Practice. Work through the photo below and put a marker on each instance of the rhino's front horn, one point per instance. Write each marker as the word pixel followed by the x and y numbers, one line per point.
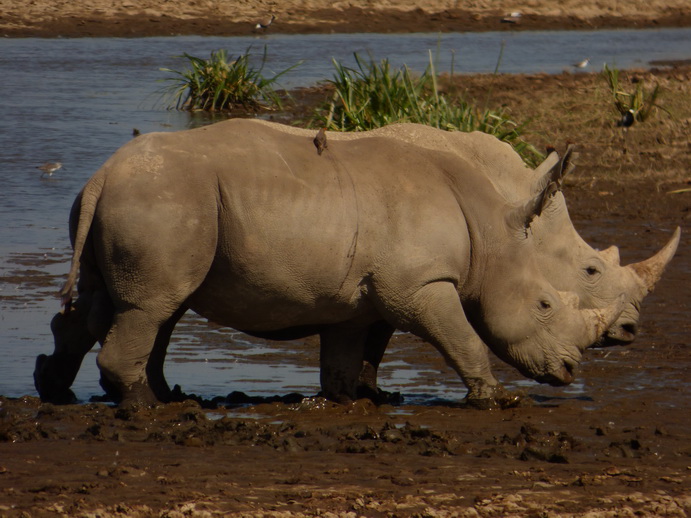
pixel 650 270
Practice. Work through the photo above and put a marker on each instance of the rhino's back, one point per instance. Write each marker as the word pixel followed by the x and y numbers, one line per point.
pixel 305 232
pixel 292 236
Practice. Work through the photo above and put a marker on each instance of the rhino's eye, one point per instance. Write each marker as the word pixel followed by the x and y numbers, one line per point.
pixel 544 304
pixel 591 270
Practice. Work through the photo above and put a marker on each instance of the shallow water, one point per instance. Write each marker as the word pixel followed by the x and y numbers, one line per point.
pixel 78 100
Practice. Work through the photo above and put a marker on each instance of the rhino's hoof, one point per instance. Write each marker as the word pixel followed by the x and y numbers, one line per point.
pixel 49 385
pixel 138 395
pixel 481 403
pixel 58 397
pixel 512 400
pixel 500 400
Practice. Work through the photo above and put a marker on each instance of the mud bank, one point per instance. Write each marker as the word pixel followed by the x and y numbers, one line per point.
pixel 98 18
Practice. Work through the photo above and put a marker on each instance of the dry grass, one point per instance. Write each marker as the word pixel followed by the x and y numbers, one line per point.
pixel 578 108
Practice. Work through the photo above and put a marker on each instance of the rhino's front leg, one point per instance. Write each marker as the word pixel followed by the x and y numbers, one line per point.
pixel 434 312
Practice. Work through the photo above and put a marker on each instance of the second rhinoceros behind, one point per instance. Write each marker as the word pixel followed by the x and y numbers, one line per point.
pixel 249 227
pixel 565 259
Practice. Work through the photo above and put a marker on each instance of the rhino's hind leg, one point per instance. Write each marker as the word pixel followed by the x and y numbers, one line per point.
pixel 341 356
pixel 154 367
pixel 125 354
pixel 378 336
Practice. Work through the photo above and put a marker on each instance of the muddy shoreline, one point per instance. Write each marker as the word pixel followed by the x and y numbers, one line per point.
pixel 323 21
pixel 101 18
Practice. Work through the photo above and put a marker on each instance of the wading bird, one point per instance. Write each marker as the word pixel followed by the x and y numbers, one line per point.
pixel 514 17
pixel 265 23
pixel 49 168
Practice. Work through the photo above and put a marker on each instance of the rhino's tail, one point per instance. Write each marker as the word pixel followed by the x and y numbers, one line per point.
pixel 87 208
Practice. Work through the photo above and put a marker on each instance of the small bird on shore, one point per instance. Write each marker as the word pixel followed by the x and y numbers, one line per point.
pixel 265 23
pixel 627 119
pixel 514 17
pixel 136 132
pixel 320 141
pixel 582 64
pixel 49 168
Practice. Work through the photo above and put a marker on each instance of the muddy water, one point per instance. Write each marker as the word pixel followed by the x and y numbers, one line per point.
pixel 76 101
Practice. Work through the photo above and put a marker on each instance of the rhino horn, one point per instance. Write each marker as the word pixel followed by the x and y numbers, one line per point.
pixel 650 270
pixel 611 255
pixel 598 321
pixel 522 216
pixel 553 169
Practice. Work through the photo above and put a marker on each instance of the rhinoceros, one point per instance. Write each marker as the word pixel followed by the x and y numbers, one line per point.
pixel 565 259
pixel 245 224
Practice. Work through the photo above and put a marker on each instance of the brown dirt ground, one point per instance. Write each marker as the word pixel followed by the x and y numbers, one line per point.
pixel 630 456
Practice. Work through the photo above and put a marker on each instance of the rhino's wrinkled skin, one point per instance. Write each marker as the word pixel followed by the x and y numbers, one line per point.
pixel 245 224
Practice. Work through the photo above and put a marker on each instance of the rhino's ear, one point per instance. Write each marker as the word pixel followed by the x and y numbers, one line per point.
pixel 520 218
pixel 567 164
pixel 546 171
pixel 553 169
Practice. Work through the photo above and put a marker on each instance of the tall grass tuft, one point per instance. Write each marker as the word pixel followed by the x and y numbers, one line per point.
pixel 373 94
pixel 640 102
pixel 219 83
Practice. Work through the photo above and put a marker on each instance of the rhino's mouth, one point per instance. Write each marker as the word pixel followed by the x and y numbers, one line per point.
pixel 620 335
pixel 563 376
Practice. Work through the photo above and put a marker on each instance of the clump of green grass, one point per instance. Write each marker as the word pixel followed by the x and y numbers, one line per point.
pixel 221 83
pixel 640 102
pixel 373 95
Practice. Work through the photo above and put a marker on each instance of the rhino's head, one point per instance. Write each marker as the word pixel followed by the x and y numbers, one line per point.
pixel 597 277
pixel 566 260
pixel 545 337
pixel 523 318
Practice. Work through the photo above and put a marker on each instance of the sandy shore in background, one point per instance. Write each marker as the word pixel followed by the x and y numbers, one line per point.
pixel 50 18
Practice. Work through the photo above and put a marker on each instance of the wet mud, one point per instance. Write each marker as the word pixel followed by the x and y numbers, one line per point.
pixel 604 453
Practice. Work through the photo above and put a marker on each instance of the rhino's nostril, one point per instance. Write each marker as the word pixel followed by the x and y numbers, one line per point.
pixel 622 334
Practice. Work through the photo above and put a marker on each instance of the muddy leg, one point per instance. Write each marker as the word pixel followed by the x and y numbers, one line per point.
pixel 341 361
pixel 435 313
pixel 378 336
pixel 125 353
pixel 75 332
pixel 154 368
